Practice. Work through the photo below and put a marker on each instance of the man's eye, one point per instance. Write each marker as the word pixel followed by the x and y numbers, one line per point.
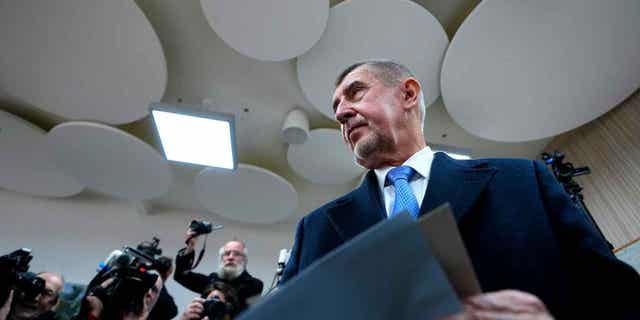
pixel 355 93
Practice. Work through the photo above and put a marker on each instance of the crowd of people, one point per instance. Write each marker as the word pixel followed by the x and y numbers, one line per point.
pixel 130 286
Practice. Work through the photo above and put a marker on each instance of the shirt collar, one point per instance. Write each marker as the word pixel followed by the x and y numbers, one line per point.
pixel 419 161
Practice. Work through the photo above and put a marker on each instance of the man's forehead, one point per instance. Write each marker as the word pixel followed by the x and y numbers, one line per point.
pixel 362 74
pixel 52 281
pixel 234 244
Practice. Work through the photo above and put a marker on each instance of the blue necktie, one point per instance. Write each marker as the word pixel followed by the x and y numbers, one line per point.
pixel 405 200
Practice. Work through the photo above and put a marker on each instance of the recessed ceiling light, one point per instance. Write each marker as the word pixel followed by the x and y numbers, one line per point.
pixel 195 137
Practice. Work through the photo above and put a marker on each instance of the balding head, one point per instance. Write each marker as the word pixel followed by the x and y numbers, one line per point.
pixel 45 301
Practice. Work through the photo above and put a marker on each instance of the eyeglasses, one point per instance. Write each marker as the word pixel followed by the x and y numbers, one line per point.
pixel 230 253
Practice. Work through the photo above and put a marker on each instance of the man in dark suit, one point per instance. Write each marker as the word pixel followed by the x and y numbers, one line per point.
pixel 534 252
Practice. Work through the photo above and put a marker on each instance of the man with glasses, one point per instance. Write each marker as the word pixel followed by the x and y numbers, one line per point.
pixel 232 270
pixel 39 308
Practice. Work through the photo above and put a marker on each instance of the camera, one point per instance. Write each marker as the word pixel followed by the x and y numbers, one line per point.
pixel 150 248
pixel 131 275
pixel 14 275
pixel 215 308
pixel 564 171
pixel 201 227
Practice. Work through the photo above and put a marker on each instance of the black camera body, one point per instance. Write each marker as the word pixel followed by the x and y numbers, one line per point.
pixel 150 248
pixel 216 309
pixel 201 227
pixel 14 275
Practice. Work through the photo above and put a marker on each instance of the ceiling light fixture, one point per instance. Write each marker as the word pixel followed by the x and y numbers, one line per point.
pixel 196 137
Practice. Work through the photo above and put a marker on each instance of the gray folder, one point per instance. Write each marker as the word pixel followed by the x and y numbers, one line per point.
pixel 387 272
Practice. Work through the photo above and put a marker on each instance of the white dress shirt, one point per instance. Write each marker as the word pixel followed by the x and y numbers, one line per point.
pixel 421 163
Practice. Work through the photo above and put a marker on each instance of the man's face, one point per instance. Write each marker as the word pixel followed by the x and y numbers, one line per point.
pixel 233 260
pixel 233 254
pixel 45 301
pixel 151 297
pixel 368 112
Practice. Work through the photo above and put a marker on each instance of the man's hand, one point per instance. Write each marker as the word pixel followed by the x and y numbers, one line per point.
pixel 96 306
pixel 194 310
pixel 4 311
pixel 190 238
pixel 506 304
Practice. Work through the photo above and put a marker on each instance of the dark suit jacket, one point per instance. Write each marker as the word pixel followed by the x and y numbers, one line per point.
pixel 520 228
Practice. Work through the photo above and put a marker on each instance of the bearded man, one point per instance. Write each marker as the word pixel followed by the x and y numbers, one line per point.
pixel 232 270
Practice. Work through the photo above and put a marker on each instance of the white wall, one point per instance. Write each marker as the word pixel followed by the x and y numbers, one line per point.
pixel 73 235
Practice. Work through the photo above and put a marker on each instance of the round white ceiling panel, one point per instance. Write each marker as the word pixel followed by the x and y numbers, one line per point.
pixel 398 30
pixel 271 30
pixel 81 59
pixel 25 165
pixel 109 160
pixel 248 194
pixel 324 158
pixel 525 70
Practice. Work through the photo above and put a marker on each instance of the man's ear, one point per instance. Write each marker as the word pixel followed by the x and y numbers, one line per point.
pixel 410 92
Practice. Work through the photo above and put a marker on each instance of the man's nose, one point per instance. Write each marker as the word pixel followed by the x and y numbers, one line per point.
pixel 344 112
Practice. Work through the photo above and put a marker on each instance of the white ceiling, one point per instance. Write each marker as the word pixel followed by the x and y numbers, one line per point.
pixel 200 65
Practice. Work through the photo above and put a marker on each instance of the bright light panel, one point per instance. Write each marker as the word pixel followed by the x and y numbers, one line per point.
pixel 196 139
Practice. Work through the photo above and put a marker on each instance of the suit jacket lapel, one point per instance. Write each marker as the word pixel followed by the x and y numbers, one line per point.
pixel 358 211
pixel 450 181
pixel 455 182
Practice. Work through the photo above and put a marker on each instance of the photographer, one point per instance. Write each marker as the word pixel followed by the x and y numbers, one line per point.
pixel 96 308
pixel 19 306
pixel 231 269
pixel 127 285
pixel 219 302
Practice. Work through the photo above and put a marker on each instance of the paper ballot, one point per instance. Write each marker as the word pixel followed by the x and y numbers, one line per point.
pixel 388 272
pixel 440 229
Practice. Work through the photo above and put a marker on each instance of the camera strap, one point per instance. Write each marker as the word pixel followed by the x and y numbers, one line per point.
pixel 201 254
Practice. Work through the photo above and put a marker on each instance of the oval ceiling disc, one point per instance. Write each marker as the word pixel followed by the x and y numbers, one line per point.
pixel 248 194
pixel 81 59
pixel 525 70
pixel 272 30
pixel 324 158
pixel 25 164
pixel 354 33
pixel 109 160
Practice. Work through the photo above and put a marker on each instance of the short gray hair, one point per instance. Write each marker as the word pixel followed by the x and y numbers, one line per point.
pixel 391 73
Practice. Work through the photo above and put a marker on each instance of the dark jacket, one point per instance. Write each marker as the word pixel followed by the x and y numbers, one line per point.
pixel 519 226
pixel 245 285
pixel 165 307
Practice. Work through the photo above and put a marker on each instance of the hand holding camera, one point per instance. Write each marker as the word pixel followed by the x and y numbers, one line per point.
pixel 16 279
pixel 95 305
pixel 194 310
pixel 213 308
pixel 197 228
